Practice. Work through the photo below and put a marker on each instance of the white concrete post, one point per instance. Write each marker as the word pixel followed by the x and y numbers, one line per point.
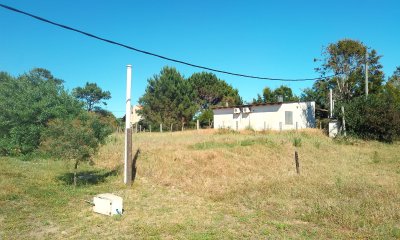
pixel 128 133
pixel 330 104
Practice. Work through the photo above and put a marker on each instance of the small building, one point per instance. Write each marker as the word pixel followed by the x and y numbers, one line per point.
pixel 135 117
pixel 266 116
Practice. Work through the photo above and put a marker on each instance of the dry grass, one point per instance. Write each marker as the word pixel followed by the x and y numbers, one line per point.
pixel 212 185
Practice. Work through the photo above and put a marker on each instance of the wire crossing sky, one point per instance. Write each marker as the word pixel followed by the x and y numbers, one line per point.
pixel 156 55
pixel 264 38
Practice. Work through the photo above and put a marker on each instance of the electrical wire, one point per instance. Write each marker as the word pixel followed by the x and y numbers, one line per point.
pixel 157 55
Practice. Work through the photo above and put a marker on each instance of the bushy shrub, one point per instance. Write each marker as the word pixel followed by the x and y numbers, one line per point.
pixel 27 104
pixel 376 117
pixel 76 138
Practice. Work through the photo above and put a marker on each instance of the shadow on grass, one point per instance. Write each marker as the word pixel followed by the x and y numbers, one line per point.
pixel 87 177
pixel 94 177
pixel 134 168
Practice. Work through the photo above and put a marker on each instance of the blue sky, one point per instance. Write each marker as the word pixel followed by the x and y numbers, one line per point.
pixel 276 39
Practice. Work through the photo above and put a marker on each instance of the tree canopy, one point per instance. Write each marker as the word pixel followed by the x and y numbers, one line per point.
pixel 211 91
pixel 394 80
pixel 269 95
pixel 36 112
pixel 168 99
pixel 28 103
pixel 343 65
pixel 344 61
pixel 319 92
pixel 171 99
pixel 92 95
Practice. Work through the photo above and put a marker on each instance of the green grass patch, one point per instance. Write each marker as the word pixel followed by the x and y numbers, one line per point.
pixel 232 144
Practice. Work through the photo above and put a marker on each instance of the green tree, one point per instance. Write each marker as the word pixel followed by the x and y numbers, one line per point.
pixel 76 138
pixel 168 99
pixel 286 93
pixel 394 80
pixel 206 118
pixel 257 100
pixel 268 95
pixel 92 95
pixel 319 93
pixel 345 60
pixel 211 91
pixel 27 104
pixel 271 96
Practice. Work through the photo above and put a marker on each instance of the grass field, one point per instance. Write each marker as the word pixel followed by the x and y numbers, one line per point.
pixel 211 185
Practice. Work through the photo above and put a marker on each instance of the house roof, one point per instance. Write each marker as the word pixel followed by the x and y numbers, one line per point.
pixel 258 104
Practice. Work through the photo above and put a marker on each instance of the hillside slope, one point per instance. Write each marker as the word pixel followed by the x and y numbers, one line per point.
pixel 211 185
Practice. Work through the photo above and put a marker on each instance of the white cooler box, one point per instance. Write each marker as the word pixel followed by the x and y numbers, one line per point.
pixel 108 204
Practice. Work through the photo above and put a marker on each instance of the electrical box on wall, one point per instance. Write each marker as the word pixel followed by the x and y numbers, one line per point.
pixel 107 204
pixel 246 110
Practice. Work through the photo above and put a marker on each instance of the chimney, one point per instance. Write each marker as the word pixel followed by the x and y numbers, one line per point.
pixel 280 99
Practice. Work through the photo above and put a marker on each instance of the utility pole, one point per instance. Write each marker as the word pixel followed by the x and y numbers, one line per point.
pixel 330 103
pixel 366 73
pixel 128 130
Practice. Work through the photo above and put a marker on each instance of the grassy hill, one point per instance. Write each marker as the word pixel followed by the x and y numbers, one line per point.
pixel 211 185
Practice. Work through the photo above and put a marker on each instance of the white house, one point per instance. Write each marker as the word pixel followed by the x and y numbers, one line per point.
pixel 266 116
pixel 135 117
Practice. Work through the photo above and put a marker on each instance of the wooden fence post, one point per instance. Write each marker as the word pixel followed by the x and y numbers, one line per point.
pixel 296 159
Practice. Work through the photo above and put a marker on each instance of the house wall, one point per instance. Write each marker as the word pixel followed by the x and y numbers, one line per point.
pixel 267 117
pixel 135 118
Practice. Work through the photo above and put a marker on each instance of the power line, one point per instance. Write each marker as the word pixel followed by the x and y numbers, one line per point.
pixel 153 54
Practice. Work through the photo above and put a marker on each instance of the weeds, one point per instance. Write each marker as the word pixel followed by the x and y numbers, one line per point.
pixel 223 131
pixel 232 144
pixel 346 140
pixel 297 142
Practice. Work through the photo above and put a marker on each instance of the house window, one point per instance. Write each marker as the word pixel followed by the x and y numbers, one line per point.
pixel 288 118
